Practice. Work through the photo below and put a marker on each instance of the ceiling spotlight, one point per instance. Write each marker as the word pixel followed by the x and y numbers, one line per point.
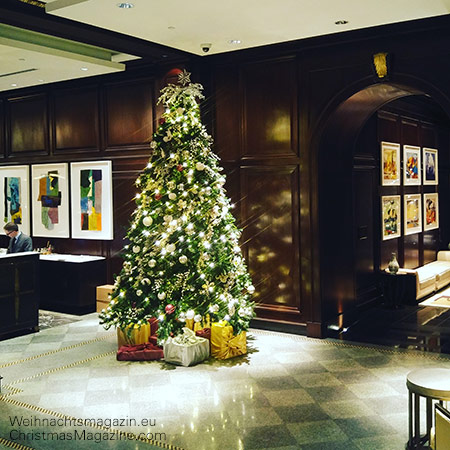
pixel 234 41
pixel 341 22
pixel 13 84
pixel 84 68
pixel 41 81
pixel 125 5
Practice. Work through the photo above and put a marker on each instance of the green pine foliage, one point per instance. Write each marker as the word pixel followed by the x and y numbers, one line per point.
pixel 183 259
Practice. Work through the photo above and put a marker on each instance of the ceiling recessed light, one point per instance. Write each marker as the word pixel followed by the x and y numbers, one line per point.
pixel 234 41
pixel 341 22
pixel 125 5
pixel 171 28
pixel 84 68
pixel 41 81
pixel 21 59
pixel 13 84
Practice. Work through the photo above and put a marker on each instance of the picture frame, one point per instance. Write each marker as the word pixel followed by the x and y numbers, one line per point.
pixel 431 211
pixel 412 208
pixel 50 200
pixel 91 200
pixel 430 166
pixel 15 197
pixel 390 217
pixel 411 165
pixel 390 164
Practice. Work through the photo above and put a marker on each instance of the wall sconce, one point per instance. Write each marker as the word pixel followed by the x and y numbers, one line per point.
pixel 381 65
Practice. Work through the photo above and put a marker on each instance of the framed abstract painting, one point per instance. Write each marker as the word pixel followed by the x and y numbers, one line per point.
pixel 390 217
pixel 411 165
pixel 14 197
pixel 431 213
pixel 91 195
pixel 50 200
pixel 390 164
pixel 430 166
pixel 413 213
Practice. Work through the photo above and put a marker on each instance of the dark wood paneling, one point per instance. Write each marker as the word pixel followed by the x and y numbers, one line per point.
pixel 270 108
pixel 269 220
pixel 2 130
pixel 28 124
pixel 227 132
pixel 129 113
pixel 76 119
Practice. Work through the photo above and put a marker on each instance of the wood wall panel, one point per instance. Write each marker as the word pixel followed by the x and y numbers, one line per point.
pixel 28 124
pixel 129 113
pixel 76 118
pixel 270 216
pixel 270 108
pixel 228 127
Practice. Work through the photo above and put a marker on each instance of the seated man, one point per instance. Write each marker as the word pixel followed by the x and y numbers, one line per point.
pixel 20 242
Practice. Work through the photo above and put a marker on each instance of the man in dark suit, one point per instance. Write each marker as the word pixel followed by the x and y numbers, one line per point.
pixel 20 242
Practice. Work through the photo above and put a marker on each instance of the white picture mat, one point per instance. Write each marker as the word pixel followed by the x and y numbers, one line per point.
pixel 417 200
pixel 411 151
pixel 107 232
pixel 23 173
pixel 426 153
pixel 434 196
pixel 62 228
pixel 388 148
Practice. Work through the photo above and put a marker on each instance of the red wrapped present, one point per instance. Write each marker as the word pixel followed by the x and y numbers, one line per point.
pixel 141 352
pixel 204 333
pixel 153 321
pixel 153 340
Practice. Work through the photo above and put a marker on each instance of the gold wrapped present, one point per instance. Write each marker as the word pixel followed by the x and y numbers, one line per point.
pixel 224 344
pixel 139 335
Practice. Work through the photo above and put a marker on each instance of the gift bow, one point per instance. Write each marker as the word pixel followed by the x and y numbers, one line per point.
pixel 187 338
pixel 224 343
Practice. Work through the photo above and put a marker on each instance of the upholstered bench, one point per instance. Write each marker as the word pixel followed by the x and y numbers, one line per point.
pixel 432 276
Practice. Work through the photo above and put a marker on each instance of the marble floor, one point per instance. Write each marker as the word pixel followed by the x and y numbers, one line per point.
pixel 63 388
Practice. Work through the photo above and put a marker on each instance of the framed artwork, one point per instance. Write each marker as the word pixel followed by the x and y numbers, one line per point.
pixel 431 213
pixel 390 217
pixel 390 164
pixel 91 195
pixel 413 213
pixel 50 200
pixel 14 197
pixel 411 165
pixel 430 166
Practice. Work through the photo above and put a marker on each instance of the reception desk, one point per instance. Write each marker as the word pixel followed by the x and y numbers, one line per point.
pixel 19 293
pixel 68 282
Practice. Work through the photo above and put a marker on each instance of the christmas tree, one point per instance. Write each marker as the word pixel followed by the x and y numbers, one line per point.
pixel 183 260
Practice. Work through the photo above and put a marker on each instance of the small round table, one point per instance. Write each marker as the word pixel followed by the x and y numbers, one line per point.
pixel 432 384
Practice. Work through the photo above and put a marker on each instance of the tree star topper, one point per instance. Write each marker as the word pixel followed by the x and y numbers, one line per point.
pixel 184 78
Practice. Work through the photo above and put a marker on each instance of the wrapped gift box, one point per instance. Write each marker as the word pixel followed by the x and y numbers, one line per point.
pixel 224 344
pixel 103 293
pixel 186 349
pixel 139 334
pixel 141 352
pixel 204 333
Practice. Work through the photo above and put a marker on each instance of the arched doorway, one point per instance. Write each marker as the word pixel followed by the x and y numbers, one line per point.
pixel 341 190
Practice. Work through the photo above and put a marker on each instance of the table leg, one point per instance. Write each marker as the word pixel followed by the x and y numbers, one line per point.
pixel 416 420
pixel 429 419
pixel 410 419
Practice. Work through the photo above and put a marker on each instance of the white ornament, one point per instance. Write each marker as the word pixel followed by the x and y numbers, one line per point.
pixel 147 221
pixel 214 308
pixel 227 318
pixel 251 289
pixel 200 166
pixel 136 249
pixel 190 314
pixel 138 292
pixel 242 312
pixel 231 309
pixel 152 263
pixel 170 248
pixel 197 318
pixel 161 295
pixel 172 196
pixel 183 259
pixel 182 317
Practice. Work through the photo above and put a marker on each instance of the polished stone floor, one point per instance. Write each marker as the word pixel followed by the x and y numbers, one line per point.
pixel 290 392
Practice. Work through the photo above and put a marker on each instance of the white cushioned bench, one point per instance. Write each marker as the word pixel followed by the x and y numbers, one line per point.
pixel 432 276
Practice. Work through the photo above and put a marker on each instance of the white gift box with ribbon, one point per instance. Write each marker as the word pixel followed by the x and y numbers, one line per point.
pixel 186 349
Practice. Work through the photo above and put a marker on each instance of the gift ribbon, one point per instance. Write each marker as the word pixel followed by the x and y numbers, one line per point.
pixel 224 344
pixel 187 338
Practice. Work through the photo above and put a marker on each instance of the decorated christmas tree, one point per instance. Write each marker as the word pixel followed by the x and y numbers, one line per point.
pixel 183 260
